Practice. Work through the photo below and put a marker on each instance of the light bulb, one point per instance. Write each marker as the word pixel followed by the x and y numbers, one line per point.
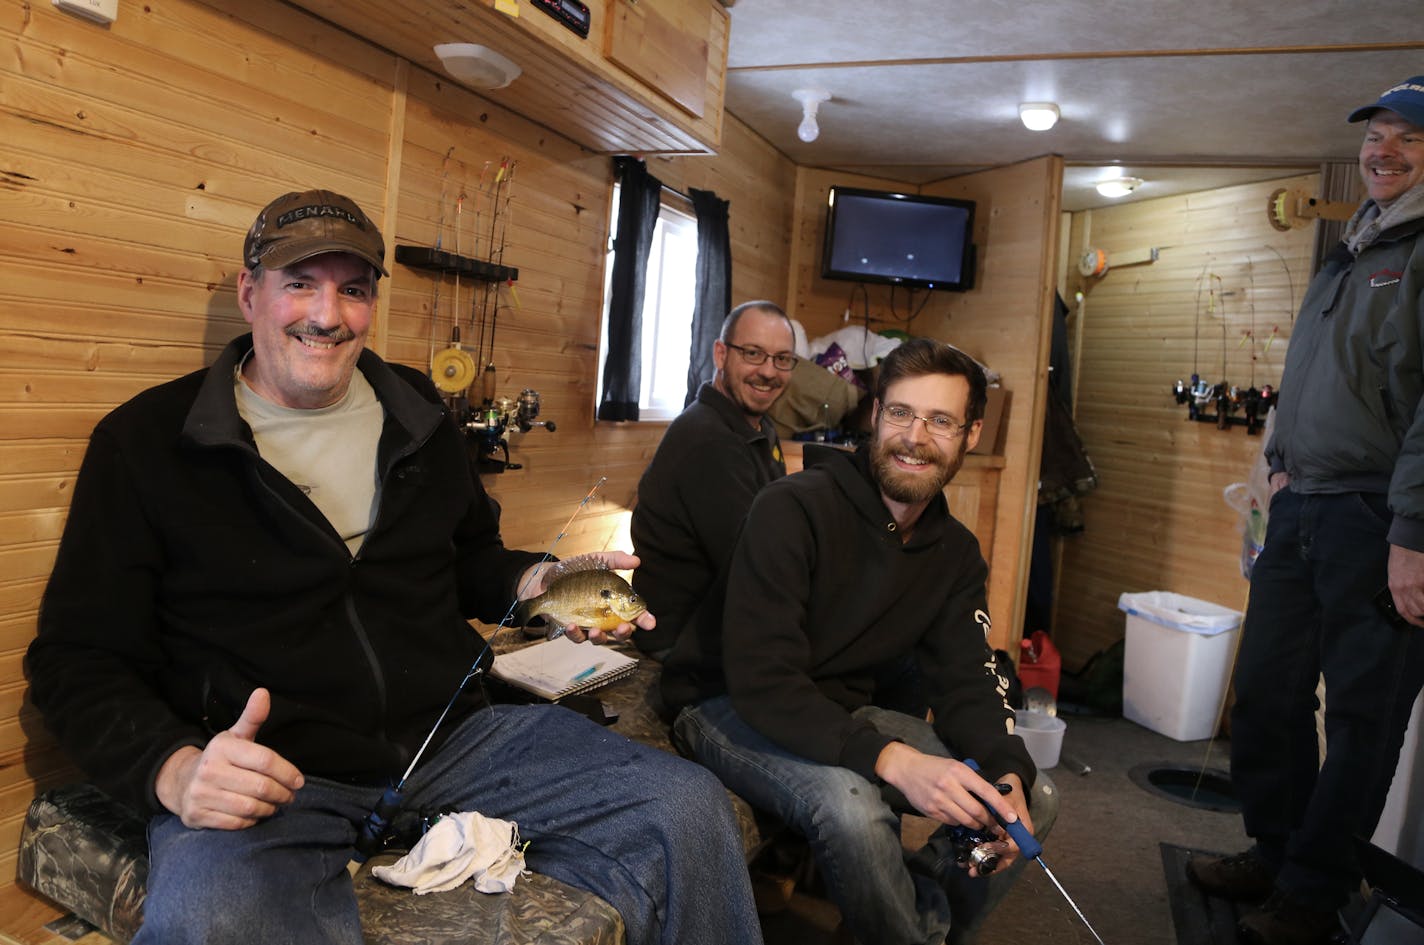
pixel 1038 116
pixel 810 100
pixel 1118 186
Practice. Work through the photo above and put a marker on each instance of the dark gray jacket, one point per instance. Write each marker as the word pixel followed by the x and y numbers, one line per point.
pixel 1349 417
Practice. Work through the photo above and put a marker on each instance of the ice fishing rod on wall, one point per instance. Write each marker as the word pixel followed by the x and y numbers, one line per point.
pixel 486 418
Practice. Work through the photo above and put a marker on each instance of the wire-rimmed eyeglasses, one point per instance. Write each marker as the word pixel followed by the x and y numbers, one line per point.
pixel 946 428
pixel 754 356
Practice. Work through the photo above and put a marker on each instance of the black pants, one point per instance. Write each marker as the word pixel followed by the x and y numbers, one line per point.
pixel 1311 611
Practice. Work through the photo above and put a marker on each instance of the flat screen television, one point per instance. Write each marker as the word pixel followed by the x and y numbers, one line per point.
pixel 901 239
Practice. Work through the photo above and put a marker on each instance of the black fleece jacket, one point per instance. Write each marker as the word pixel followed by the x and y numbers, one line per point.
pixel 192 572
pixel 691 502
pixel 821 593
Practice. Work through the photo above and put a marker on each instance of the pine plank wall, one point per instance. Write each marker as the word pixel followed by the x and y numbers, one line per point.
pixel 1158 520
pixel 132 160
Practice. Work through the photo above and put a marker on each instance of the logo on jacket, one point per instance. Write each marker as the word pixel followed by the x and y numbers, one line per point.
pixel 1378 280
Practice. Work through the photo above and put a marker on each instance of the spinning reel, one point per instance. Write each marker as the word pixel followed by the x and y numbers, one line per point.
pixel 1218 403
pixel 487 426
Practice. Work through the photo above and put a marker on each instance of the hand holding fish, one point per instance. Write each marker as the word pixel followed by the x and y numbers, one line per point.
pixel 583 597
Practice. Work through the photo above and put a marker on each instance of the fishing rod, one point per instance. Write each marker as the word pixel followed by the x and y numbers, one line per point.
pixel 439 237
pixel 490 305
pixel 375 827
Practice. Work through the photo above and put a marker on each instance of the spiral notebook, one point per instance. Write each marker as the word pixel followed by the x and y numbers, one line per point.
pixel 560 667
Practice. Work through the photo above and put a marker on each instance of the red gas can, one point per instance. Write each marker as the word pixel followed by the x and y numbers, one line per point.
pixel 1039 663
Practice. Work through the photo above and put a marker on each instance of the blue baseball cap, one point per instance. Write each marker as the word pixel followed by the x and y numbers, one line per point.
pixel 1406 98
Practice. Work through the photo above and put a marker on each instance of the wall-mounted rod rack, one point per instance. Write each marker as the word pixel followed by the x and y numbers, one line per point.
pixel 435 260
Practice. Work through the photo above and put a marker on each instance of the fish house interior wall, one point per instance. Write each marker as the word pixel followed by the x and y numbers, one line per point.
pixel 132 160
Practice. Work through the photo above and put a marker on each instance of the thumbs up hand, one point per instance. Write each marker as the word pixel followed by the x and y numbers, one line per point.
pixel 233 782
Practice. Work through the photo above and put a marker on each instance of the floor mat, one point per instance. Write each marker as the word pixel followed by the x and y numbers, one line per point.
pixel 1199 918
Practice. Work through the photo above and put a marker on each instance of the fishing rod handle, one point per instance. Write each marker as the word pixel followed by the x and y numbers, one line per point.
pixel 377 825
pixel 1028 845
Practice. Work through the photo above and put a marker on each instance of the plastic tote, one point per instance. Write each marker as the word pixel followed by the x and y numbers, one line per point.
pixel 1176 662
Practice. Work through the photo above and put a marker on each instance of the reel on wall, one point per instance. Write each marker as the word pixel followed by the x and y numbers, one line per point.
pixel 1286 209
pixel 452 370
pixel 489 425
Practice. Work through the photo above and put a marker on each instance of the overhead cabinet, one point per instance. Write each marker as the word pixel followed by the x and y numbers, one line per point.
pixel 649 78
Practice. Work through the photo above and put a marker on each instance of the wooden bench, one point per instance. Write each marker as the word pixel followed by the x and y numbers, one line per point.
pixel 89 855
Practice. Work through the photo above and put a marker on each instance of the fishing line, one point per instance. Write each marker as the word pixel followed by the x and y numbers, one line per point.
pixel 1251 316
pixel 373 829
pixel 503 624
pixel 1196 323
pixel 474 308
pixel 499 253
pixel 1290 283
pixel 439 236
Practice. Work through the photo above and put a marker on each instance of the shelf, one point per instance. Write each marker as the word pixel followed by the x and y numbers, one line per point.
pixel 434 260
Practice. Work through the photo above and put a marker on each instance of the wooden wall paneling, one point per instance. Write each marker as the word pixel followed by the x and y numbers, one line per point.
pixel 124 207
pixel 1006 322
pixel 134 159
pixel 820 304
pixel 1158 520
pixel 761 187
pixel 566 82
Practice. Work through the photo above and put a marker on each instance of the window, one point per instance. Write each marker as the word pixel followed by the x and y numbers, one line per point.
pixel 667 313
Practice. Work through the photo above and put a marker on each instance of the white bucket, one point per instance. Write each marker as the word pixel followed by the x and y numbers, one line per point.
pixel 1042 735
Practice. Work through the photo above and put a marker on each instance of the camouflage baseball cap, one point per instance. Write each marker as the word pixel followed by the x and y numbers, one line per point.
pixel 297 226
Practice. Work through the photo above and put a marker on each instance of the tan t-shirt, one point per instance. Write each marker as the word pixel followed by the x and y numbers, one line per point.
pixel 329 453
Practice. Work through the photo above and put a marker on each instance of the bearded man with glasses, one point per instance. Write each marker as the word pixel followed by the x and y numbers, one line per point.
pixel 840 570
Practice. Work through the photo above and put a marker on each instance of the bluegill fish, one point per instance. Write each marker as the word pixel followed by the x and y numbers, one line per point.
pixel 598 600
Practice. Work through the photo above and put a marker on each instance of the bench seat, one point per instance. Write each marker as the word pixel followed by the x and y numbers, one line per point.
pixel 89 855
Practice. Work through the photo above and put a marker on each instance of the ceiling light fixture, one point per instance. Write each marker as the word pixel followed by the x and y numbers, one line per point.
pixel 1038 116
pixel 477 66
pixel 810 100
pixel 1118 186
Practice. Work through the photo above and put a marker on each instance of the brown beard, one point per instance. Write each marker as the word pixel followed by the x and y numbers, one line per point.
pixel 913 489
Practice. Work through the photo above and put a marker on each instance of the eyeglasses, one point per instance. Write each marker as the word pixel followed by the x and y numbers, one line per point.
pixel 753 355
pixel 946 428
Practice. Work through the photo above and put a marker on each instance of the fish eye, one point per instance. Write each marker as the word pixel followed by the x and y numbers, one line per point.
pixel 605 593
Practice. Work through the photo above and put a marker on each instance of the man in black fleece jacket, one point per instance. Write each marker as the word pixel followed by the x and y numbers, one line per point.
pixel 711 463
pixel 259 609
pixel 841 569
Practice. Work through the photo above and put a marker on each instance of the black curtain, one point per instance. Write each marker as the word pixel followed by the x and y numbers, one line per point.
pixel 638 202
pixel 714 285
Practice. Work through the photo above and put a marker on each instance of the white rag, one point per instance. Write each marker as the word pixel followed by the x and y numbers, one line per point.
pixel 455 848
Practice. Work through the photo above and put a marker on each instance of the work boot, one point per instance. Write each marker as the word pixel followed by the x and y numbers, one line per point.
pixel 1286 920
pixel 1243 876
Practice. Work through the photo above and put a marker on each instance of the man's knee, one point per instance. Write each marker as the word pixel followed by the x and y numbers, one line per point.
pixel 216 886
pixel 1043 804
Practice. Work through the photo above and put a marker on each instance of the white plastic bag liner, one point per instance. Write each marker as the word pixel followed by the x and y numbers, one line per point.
pixel 1180 612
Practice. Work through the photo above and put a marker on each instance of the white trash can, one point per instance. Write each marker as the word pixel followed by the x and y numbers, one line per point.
pixel 1176 662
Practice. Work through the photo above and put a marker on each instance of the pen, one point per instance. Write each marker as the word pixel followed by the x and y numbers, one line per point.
pixel 580 677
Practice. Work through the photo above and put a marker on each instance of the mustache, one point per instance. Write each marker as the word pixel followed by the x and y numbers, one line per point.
pixel 336 334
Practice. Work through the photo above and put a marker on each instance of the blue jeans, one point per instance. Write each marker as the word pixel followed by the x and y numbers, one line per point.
pixel 647 831
pixel 1311 612
pixel 853 826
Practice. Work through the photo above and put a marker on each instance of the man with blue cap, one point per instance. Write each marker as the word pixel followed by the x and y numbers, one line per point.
pixel 1339 588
